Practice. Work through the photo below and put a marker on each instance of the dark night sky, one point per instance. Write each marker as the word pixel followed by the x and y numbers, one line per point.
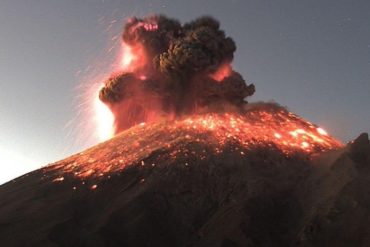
pixel 312 56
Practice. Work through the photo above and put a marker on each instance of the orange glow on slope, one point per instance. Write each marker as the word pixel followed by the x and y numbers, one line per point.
pixel 285 130
pixel 273 129
pixel 322 131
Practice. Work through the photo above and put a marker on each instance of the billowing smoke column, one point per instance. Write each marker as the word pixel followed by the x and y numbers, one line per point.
pixel 170 70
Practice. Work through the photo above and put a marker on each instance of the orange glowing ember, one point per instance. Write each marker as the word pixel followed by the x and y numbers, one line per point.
pixel 268 127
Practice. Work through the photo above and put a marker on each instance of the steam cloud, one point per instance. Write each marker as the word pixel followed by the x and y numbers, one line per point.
pixel 173 70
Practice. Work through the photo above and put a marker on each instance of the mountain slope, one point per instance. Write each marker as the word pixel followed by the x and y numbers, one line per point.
pixel 210 180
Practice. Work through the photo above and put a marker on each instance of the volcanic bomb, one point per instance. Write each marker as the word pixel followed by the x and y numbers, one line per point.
pixel 192 163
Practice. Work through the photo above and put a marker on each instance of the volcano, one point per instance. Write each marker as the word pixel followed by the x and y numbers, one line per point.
pixel 264 178
pixel 192 163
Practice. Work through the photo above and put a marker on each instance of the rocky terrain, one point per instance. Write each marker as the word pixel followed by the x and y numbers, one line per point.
pixel 175 185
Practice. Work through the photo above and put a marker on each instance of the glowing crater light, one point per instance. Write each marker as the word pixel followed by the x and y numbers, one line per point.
pixel 104 120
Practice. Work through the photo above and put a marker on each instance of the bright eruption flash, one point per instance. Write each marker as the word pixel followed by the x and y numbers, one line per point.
pixel 127 57
pixel 104 120
pixel 131 58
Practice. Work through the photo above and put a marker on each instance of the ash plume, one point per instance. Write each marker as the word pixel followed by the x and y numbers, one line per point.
pixel 172 69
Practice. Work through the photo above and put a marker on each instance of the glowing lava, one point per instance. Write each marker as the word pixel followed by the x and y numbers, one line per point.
pixel 188 138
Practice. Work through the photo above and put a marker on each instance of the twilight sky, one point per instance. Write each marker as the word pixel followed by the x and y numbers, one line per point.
pixel 312 56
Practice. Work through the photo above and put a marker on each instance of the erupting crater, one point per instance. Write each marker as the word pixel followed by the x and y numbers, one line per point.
pixel 261 125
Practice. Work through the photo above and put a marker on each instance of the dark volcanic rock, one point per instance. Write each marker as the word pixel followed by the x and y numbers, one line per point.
pixel 258 197
pixel 338 209
pixel 360 150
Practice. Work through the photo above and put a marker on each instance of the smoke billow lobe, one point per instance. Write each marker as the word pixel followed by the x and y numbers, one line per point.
pixel 183 69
